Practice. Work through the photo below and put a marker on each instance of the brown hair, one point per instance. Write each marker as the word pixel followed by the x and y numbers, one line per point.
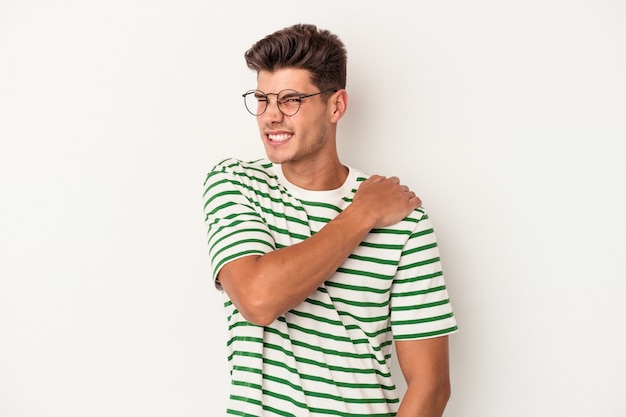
pixel 302 46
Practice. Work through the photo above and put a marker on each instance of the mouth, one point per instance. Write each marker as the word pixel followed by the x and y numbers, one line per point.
pixel 279 137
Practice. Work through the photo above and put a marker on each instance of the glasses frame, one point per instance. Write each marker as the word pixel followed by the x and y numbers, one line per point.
pixel 297 95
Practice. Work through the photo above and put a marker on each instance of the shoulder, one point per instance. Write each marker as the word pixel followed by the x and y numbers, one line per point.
pixel 418 224
pixel 417 219
pixel 237 166
pixel 238 170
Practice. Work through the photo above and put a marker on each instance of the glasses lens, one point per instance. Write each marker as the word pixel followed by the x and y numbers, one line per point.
pixel 255 101
pixel 289 102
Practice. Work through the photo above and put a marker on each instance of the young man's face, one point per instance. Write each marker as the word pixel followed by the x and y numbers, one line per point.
pixel 305 137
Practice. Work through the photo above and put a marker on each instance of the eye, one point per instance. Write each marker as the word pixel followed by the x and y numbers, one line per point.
pixel 290 100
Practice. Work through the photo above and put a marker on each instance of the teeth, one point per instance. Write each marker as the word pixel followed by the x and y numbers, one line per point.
pixel 279 138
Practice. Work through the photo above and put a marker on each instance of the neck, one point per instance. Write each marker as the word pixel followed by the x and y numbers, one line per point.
pixel 316 177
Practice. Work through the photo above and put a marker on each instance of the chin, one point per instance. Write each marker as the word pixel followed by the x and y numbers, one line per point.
pixel 277 159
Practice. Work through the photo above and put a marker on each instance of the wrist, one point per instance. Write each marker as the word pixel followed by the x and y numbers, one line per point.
pixel 361 218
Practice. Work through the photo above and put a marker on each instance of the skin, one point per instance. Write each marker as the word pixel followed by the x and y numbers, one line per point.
pixel 309 157
pixel 305 146
pixel 425 367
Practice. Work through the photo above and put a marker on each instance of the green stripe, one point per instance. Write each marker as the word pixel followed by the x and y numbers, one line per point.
pixel 308 377
pixel 419 249
pixel 424 320
pixel 373 260
pixel 387 246
pixel 292 235
pixel 420 292
pixel 422 233
pixel 418 264
pixel 318 219
pixel 421 306
pixel 419 278
pixel 416 336
pixel 319 204
pixel 243 241
pixel 241 254
pixel 258 403
pixel 381 304
pixel 389 231
pixel 218 195
pixel 357 287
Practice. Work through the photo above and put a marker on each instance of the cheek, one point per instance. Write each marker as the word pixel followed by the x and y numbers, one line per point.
pixel 321 135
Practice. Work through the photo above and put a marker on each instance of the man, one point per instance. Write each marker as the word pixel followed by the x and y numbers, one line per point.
pixel 322 267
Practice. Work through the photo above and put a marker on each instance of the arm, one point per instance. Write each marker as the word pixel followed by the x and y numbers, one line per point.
pixel 424 364
pixel 263 287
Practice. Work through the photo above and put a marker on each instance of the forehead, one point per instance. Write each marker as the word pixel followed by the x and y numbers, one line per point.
pixel 292 78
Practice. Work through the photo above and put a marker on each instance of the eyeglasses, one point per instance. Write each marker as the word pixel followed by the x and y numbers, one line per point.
pixel 288 101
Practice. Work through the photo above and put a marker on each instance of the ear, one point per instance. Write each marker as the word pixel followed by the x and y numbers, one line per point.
pixel 338 105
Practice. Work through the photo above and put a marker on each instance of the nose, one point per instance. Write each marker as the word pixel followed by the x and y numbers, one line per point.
pixel 272 112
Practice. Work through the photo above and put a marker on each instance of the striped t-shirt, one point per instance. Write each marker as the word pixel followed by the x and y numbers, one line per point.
pixel 330 355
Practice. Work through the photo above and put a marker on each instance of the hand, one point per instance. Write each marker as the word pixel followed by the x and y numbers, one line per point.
pixel 385 199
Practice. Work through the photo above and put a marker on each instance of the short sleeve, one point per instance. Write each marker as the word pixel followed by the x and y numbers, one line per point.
pixel 234 227
pixel 420 305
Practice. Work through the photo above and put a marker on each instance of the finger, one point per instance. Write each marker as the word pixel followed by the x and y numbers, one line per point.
pixel 394 180
pixel 416 200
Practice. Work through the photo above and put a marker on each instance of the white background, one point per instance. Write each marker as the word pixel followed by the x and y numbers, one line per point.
pixel 507 118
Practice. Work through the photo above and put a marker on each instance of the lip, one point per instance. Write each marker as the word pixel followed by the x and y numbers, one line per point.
pixel 278 137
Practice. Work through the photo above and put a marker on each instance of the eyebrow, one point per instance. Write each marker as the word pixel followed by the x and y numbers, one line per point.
pixel 294 94
pixel 261 93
